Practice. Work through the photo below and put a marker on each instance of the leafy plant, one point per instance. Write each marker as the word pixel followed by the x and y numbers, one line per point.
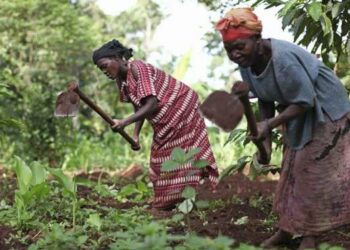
pixel 95 221
pixel 138 191
pixel 70 188
pixel 195 242
pixel 270 221
pixel 8 122
pixel 56 238
pixel 238 167
pixel 255 168
pixel 147 236
pixel 239 136
pixel 31 184
pixel 180 157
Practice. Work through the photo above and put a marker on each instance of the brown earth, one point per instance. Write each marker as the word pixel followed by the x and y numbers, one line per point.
pixel 5 239
pixel 241 197
pixel 236 198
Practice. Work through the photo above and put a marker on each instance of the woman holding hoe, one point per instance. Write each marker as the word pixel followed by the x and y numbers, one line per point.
pixel 313 193
pixel 171 107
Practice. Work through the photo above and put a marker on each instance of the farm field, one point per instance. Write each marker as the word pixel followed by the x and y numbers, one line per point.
pixel 112 213
pixel 72 180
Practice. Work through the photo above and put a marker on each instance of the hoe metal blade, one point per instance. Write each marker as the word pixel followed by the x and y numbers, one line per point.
pixel 67 104
pixel 223 109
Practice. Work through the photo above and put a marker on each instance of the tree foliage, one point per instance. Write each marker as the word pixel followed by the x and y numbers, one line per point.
pixel 46 44
pixel 43 45
pixel 136 26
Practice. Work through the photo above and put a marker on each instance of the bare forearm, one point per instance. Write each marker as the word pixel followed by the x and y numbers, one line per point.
pixel 150 106
pixel 289 113
pixel 138 126
pixel 267 110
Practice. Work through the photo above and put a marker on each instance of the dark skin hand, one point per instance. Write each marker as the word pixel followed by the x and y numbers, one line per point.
pixel 266 125
pixel 291 112
pixel 148 108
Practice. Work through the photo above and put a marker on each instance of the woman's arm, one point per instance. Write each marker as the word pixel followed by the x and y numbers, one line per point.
pixel 268 124
pixel 138 126
pixel 289 113
pixel 266 110
pixel 149 107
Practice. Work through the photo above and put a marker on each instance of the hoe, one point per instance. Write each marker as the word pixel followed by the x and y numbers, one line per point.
pixel 226 110
pixel 67 105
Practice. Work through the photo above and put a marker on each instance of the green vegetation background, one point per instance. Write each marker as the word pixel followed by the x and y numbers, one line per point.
pixel 44 45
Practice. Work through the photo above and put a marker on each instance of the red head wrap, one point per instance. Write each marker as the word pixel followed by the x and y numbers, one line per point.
pixel 239 23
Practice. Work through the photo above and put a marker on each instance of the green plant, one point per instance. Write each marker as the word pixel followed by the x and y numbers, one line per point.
pixel 195 242
pixel 147 236
pixel 56 238
pixel 8 122
pixel 95 221
pixel 70 188
pixel 325 246
pixel 138 191
pixel 31 184
pixel 256 169
pixel 239 136
pixel 178 158
pixel 203 216
pixel 238 167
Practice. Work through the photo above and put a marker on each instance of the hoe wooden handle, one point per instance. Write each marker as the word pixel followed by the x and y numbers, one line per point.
pixel 241 89
pixel 104 115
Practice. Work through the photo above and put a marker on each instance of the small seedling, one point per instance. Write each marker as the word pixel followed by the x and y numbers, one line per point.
pixel 178 158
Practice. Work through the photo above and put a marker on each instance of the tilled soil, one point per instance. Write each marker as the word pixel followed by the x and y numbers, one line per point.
pixel 239 197
pixel 240 209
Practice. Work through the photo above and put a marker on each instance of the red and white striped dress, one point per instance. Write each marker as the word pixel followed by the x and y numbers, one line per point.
pixel 177 124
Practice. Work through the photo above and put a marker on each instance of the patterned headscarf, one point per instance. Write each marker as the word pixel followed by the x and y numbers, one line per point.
pixel 239 23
